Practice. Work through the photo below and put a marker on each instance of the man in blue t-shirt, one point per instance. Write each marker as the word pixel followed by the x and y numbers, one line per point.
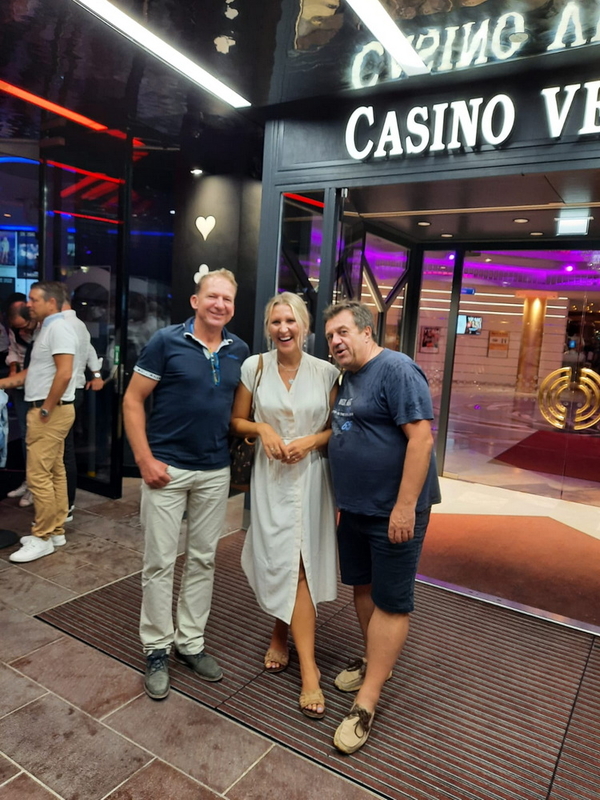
pixel 191 370
pixel 385 482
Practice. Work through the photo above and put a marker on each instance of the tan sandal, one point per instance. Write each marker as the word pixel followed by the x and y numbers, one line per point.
pixel 314 698
pixel 280 657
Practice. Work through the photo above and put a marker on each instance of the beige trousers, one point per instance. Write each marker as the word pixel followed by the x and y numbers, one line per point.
pixel 204 495
pixel 46 477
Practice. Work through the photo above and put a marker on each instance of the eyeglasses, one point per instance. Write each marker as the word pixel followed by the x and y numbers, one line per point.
pixel 215 366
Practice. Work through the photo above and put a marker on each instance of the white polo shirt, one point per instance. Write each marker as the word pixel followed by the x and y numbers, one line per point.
pixel 55 337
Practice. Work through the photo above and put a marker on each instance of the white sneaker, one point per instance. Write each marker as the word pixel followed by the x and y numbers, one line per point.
pixel 70 514
pixel 33 549
pixel 19 491
pixel 58 539
pixel 26 500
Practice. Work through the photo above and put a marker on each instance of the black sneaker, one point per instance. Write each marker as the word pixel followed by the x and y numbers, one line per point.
pixel 203 664
pixel 156 682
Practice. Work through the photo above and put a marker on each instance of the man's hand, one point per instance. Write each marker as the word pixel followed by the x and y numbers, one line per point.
pixel 96 384
pixel 402 523
pixel 154 473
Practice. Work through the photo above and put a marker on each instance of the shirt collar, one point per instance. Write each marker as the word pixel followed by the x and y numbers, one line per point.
pixel 52 318
pixel 188 332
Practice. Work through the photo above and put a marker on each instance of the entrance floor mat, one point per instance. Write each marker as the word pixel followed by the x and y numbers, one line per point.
pixel 485 703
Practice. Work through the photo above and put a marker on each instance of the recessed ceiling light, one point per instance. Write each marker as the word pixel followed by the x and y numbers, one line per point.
pixel 423 223
pixel 487 260
pixel 520 220
pixel 536 233
pixel 573 222
pixel 446 235
pixel 169 55
pixel 196 171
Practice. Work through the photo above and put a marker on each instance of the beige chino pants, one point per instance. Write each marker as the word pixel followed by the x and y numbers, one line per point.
pixel 46 477
pixel 204 495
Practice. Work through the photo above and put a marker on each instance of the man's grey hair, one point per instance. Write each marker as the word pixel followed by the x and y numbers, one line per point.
pixel 52 290
pixel 360 312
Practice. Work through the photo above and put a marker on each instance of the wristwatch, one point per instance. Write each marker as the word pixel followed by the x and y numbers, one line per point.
pixel 97 374
pixel 44 412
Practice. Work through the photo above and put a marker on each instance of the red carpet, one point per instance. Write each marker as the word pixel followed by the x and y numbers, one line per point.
pixel 575 455
pixel 534 561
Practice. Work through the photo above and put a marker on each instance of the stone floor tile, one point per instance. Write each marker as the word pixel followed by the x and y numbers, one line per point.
pixel 281 773
pixel 21 634
pixel 24 788
pixel 15 518
pixel 192 738
pixel 113 558
pixel 116 531
pixel 30 593
pixel 16 690
pixel 160 780
pixel 84 580
pixel 7 769
pixel 68 751
pixel 62 561
pixel 85 499
pixel 126 507
pixel 90 680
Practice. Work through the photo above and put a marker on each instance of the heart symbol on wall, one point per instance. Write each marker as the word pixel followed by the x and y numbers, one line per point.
pixel 205 225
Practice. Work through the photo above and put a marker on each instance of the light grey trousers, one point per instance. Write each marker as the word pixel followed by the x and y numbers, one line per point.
pixel 204 495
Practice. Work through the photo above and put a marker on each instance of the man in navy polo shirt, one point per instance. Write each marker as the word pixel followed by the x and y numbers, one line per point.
pixel 192 371
pixel 385 482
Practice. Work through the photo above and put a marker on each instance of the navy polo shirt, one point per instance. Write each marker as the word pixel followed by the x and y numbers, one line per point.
pixel 189 423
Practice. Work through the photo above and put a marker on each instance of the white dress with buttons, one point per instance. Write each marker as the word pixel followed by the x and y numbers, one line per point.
pixel 292 508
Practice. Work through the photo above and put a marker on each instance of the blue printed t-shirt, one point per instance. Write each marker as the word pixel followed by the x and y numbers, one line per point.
pixel 368 446
pixel 189 424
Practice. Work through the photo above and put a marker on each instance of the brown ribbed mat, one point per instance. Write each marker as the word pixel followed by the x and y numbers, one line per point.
pixel 485 703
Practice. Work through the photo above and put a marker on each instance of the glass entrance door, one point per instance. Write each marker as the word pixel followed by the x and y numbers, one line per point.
pixel 82 244
pixel 525 404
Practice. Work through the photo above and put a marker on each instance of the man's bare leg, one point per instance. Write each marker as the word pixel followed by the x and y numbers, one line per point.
pixel 386 635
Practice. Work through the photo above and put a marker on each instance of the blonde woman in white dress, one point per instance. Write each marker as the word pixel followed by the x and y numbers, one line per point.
pixel 289 555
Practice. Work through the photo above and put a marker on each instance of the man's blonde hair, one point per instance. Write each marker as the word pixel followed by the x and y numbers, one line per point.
pixel 217 273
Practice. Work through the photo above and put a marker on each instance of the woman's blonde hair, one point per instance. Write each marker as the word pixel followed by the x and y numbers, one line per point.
pixel 299 312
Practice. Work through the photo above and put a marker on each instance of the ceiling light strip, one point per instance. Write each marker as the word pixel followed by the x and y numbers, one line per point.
pixel 53 107
pixel 169 55
pixel 384 29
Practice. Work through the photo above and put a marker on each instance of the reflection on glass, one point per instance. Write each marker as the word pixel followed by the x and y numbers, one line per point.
pixel 301 241
pixel 432 326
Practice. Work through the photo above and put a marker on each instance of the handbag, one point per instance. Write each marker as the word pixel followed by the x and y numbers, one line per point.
pixel 242 449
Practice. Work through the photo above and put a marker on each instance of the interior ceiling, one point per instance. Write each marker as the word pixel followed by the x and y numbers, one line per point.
pixel 274 52
pixel 480 209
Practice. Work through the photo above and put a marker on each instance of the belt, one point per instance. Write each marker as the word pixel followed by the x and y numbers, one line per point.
pixel 40 403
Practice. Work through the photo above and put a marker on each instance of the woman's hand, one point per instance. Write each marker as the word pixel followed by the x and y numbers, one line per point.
pixel 299 449
pixel 272 443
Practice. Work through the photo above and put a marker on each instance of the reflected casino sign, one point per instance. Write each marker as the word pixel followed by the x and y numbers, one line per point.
pixel 470 123
pixel 530 27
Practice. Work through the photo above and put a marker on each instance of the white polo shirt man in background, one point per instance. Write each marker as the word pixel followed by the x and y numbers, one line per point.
pixel 49 392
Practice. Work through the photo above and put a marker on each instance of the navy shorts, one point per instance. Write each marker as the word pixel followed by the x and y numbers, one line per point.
pixel 368 557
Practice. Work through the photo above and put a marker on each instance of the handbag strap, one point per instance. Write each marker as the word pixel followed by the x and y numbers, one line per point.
pixel 257 377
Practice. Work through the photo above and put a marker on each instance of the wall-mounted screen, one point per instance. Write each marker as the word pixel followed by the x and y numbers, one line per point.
pixel 468 324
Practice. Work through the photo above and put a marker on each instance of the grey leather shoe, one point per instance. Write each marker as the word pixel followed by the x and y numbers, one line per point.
pixel 156 681
pixel 203 664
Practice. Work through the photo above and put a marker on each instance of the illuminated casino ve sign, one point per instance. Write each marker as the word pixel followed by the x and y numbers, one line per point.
pixel 530 27
pixel 468 124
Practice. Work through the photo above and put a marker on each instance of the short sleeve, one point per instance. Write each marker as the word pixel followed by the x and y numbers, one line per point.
pixel 407 393
pixel 151 361
pixel 248 373
pixel 332 374
pixel 62 340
